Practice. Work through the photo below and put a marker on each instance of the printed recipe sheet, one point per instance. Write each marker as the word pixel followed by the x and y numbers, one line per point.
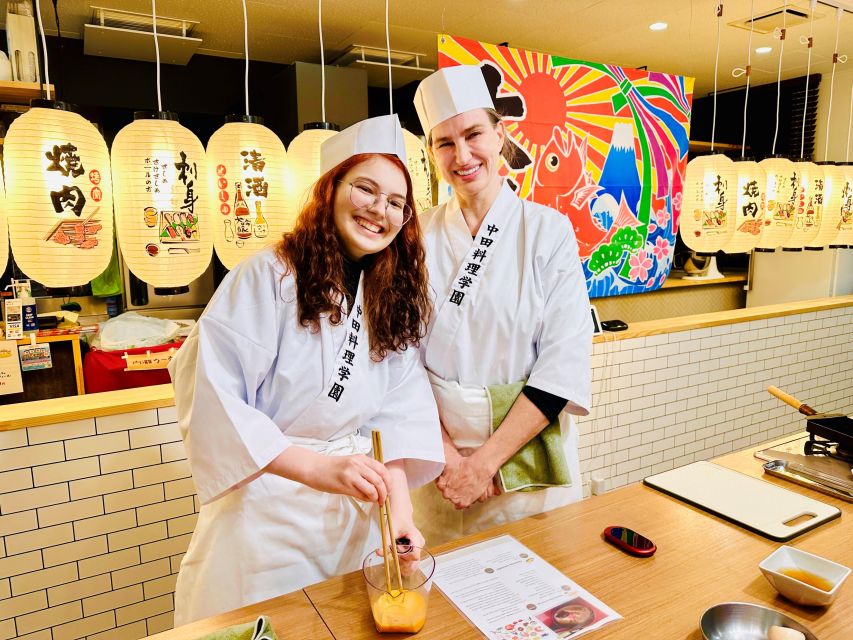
pixel 510 593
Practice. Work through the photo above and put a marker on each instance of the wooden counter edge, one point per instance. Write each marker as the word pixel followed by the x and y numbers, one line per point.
pixel 93 405
pixel 717 318
pixel 42 412
pixel 279 610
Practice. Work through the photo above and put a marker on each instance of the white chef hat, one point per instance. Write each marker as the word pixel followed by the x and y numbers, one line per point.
pixel 449 92
pixel 382 134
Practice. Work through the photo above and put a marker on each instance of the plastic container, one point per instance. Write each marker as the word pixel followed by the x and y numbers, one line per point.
pixel 395 611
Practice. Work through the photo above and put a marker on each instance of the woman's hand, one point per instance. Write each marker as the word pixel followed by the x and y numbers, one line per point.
pixel 409 554
pixel 466 481
pixel 358 476
pixel 493 490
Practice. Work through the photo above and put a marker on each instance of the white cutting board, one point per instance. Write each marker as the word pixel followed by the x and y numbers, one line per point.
pixel 749 502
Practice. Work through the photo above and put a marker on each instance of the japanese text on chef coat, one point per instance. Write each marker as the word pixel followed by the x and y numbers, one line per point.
pixel 346 362
pixel 471 272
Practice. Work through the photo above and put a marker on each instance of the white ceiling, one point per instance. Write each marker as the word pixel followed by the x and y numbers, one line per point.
pixel 611 31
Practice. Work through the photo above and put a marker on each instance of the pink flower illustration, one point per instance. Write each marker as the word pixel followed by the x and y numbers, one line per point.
pixel 662 216
pixel 661 248
pixel 676 201
pixel 652 227
pixel 640 265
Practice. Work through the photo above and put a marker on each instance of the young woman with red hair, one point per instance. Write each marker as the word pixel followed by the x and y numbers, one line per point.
pixel 304 349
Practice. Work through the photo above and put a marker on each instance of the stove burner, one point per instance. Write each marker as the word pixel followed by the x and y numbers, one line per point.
pixel 830 436
pixel 814 447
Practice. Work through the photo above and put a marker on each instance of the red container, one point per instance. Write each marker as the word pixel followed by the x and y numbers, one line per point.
pixel 105 370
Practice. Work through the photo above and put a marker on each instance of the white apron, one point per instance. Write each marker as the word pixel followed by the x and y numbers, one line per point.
pixel 264 535
pixel 522 315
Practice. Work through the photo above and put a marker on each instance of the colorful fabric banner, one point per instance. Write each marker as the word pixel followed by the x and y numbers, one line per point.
pixel 602 144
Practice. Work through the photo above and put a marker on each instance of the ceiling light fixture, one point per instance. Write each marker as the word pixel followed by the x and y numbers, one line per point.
pixel 658 26
pixel 762 50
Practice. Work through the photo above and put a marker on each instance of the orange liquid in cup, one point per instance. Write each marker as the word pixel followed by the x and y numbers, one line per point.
pixel 809 578
pixel 399 612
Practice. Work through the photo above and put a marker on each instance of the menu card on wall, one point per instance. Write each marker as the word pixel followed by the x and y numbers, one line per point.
pixel 511 593
pixel 10 368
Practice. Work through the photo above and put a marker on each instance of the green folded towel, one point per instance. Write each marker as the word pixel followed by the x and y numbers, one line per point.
pixel 261 629
pixel 538 464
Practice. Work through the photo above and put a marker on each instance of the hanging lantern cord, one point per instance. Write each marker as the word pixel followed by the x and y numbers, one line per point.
pixel 246 50
pixel 849 126
pixel 156 53
pixel 44 50
pixel 59 36
pixel 719 11
pixel 779 71
pixel 322 62
pixel 748 75
pixel 812 6
pixel 388 48
pixel 838 14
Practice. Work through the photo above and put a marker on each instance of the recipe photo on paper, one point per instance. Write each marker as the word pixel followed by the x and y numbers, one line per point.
pixel 509 592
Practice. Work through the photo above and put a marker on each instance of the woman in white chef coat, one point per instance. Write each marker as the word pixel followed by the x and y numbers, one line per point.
pixel 301 352
pixel 511 306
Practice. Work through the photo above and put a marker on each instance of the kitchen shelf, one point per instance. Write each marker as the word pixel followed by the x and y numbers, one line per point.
pixel 21 92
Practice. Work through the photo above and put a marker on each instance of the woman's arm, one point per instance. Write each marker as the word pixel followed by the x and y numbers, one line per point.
pixel 358 476
pixel 470 478
pixel 402 516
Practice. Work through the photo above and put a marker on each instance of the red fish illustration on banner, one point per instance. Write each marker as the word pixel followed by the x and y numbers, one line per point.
pixel 563 162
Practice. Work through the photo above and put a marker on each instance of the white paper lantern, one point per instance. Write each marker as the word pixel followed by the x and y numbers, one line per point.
pixel 247 175
pixel 707 220
pixel 4 230
pixel 59 199
pixel 781 194
pixel 162 209
pixel 303 156
pixel 419 169
pixel 807 212
pixel 844 238
pixel 750 207
pixel 827 191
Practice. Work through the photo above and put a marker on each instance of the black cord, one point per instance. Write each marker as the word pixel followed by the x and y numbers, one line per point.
pixel 58 35
pixel 39 57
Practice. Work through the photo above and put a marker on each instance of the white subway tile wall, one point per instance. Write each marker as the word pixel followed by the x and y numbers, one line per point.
pixel 95 515
pixel 667 400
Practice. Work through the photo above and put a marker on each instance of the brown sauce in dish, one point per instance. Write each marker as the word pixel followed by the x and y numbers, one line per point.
pixel 809 578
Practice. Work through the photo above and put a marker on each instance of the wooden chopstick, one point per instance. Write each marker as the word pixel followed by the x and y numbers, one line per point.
pixel 385 518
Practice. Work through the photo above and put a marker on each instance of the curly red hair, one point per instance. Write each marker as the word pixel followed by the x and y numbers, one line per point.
pixel 395 285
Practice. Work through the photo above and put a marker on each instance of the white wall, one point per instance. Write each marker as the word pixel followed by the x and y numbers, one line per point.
pixel 839 117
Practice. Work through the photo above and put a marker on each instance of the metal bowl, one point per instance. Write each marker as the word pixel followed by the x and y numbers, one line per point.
pixel 743 621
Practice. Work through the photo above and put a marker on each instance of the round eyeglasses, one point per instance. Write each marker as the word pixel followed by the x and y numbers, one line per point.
pixel 365 195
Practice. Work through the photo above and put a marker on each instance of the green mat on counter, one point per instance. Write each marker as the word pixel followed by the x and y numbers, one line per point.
pixel 540 463
pixel 261 629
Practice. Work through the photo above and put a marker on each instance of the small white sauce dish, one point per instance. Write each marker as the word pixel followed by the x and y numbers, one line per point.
pixel 786 557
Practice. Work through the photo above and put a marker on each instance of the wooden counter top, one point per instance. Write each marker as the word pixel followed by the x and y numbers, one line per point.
pixel 676 282
pixel 92 405
pixel 701 561
pixel 699 321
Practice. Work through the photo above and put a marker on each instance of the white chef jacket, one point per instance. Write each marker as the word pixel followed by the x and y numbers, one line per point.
pixel 250 381
pixel 525 318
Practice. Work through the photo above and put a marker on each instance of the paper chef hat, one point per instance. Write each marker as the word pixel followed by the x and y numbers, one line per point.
pixel 382 134
pixel 449 92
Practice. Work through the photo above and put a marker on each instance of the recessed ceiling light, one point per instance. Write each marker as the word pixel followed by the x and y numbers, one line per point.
pixel 763 49
pixel 658 26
